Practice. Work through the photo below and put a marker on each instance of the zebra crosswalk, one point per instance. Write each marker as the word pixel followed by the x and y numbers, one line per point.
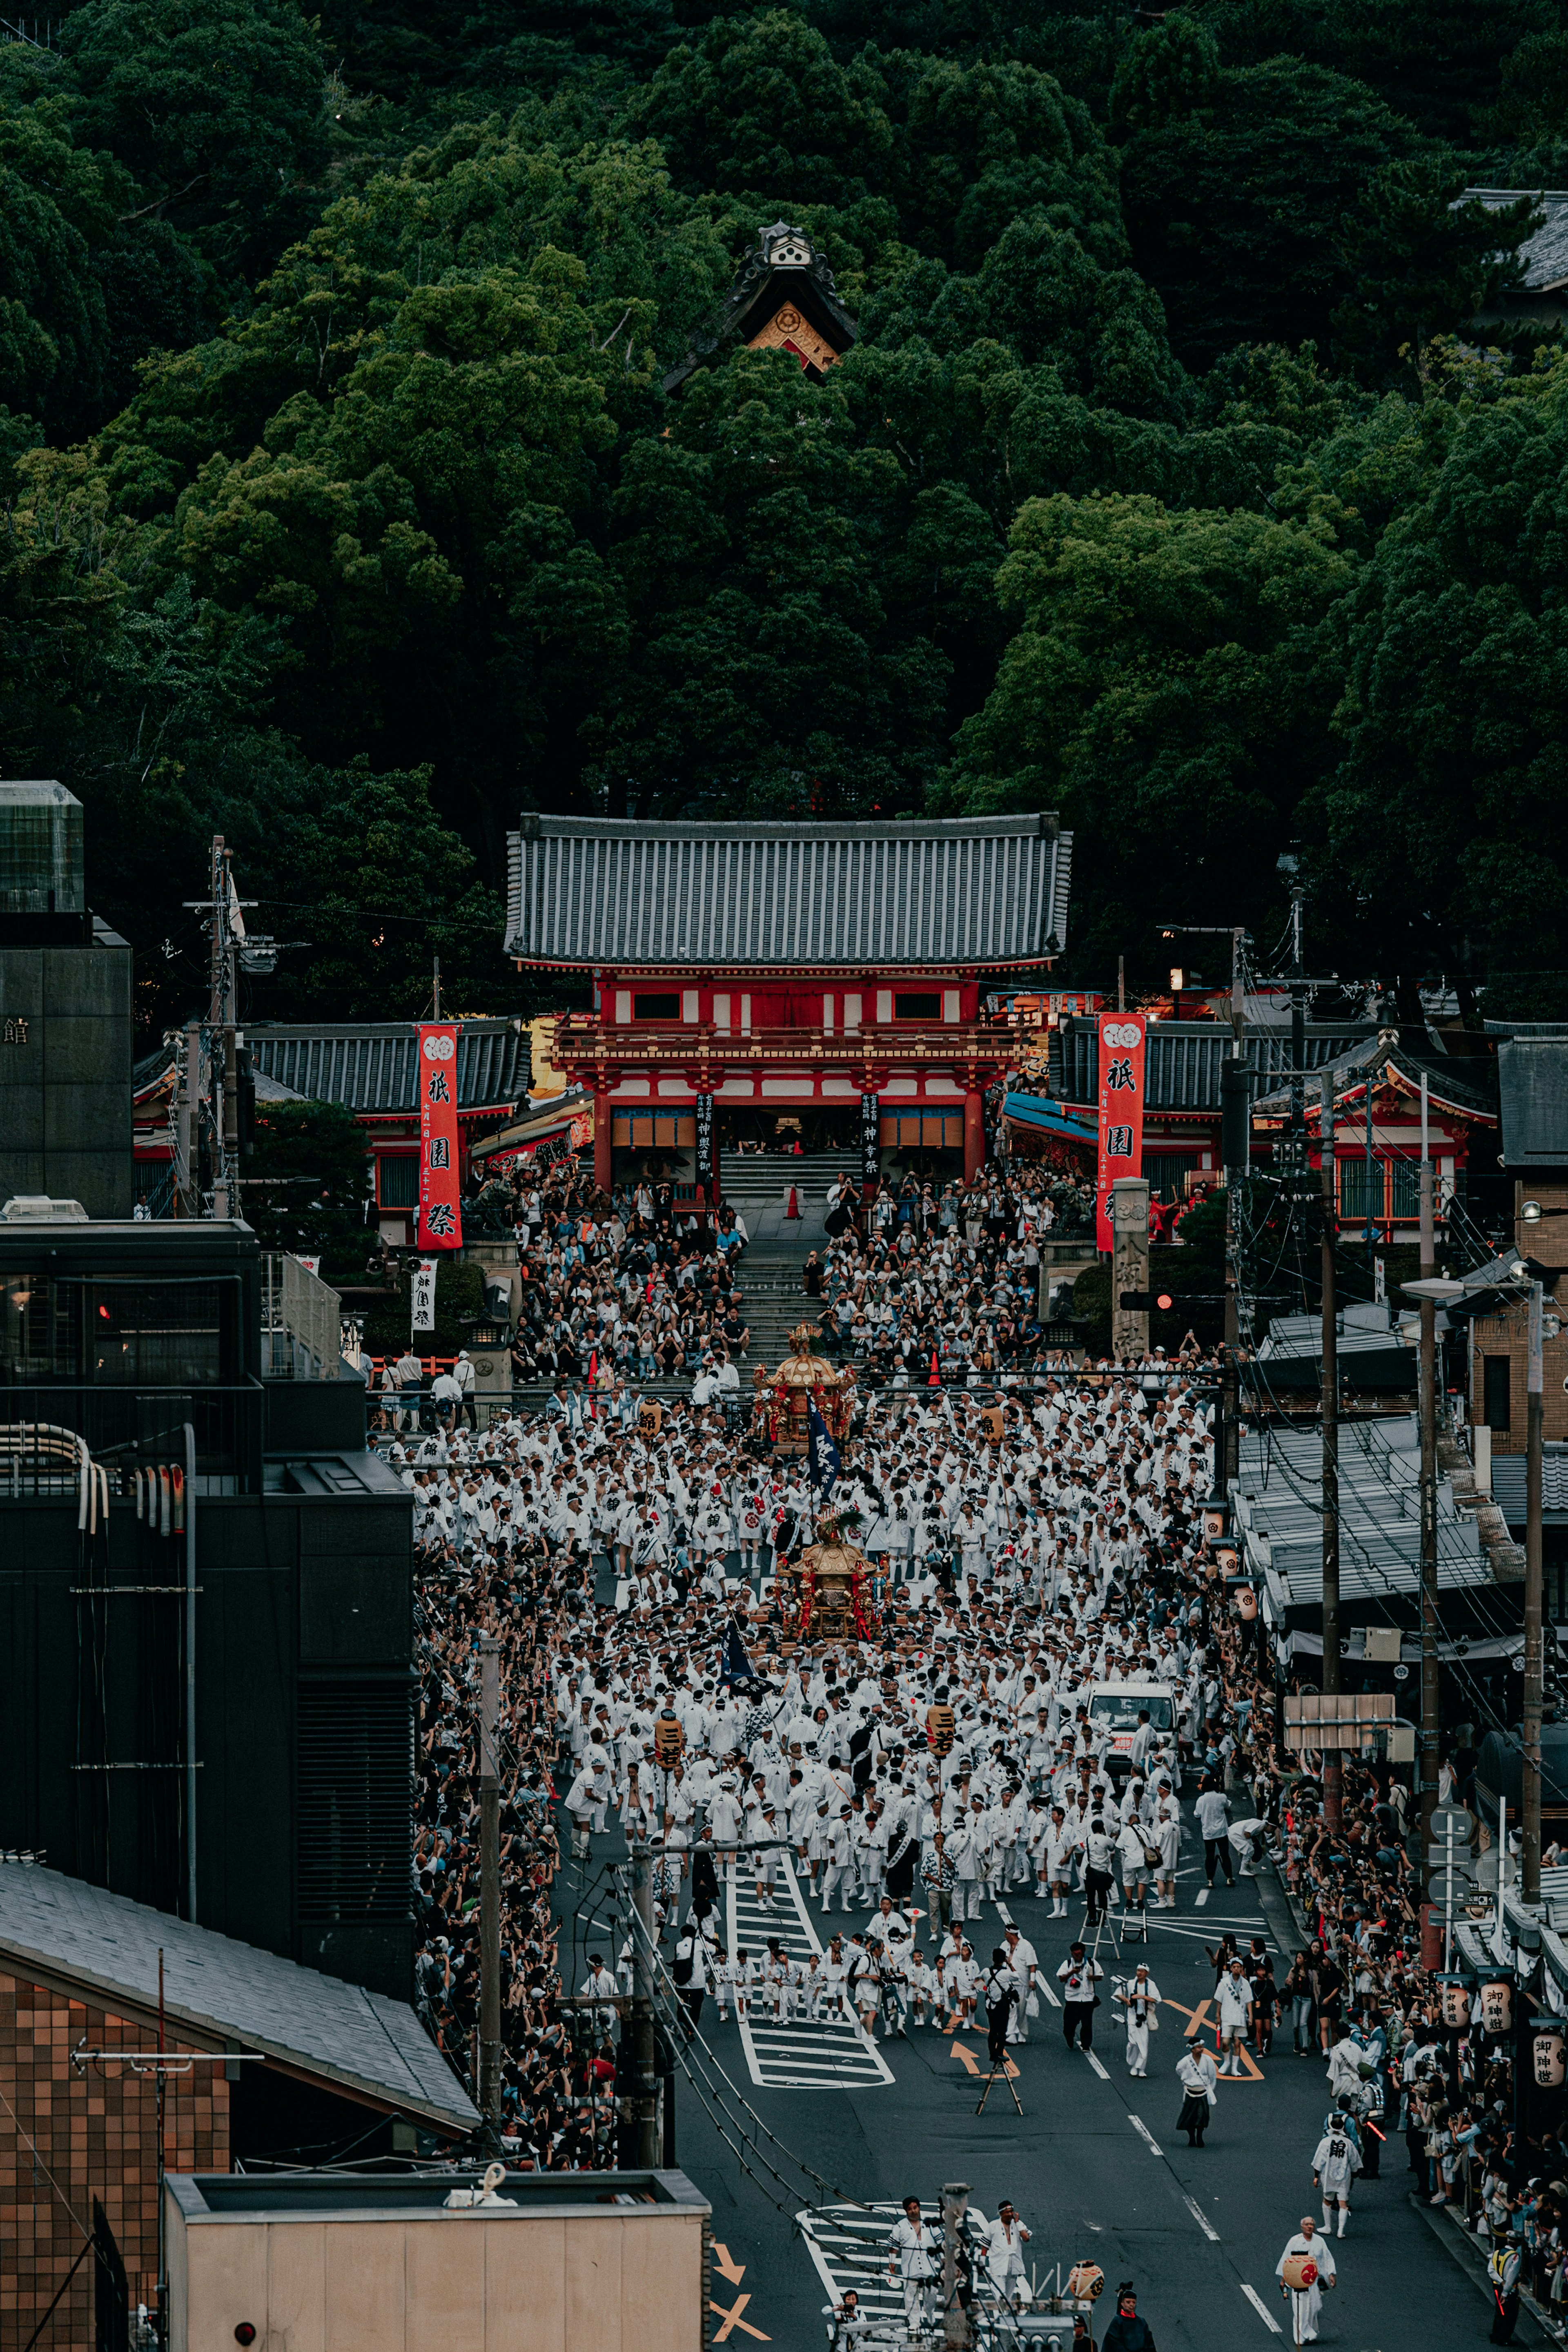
pixel 848 2243
pixel 832 2054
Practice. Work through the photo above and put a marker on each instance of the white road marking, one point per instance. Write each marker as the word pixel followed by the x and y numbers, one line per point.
pixel 1145 2133
pixel 1200 2217
pixel 832 2054
pixel 1261 2308
pixel 1199 1899
pixel 1095 2062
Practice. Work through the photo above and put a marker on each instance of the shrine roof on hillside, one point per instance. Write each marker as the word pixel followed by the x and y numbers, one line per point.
pixel 979 892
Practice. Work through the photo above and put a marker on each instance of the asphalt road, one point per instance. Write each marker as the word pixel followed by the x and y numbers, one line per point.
pixel 1096 2165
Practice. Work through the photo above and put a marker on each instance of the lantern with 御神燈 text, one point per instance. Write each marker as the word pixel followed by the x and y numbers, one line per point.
pixel 1547 2047
pixel 1455 2003
pixel 1497 2006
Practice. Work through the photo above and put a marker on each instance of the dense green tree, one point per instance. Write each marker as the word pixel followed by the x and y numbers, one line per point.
pixel 1169 70
pixel 306 1182
pixel 1234 209
pixel 1447 817
pixel 214 107
pixel 762 103
pixel 1422 262
pixel 765 671
pixel 57 203
pixel 980 145
pixel 1165 693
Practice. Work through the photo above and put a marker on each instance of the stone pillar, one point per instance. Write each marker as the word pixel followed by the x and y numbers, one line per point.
pixel 1129 1262
pixel 603 1175
pixel 974 1133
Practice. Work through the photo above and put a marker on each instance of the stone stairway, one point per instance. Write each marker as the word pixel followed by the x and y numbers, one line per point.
pixel 775 1305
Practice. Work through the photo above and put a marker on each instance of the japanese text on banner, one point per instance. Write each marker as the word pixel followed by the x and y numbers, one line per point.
pixel 1120 1109
pixel 440 1199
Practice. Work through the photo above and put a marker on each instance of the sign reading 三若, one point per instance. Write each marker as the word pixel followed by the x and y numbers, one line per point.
pixel 1120 1109
pixel 440 1201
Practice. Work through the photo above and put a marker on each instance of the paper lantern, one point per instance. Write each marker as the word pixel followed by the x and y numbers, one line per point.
pixel 1497 2006
pixel 940 1726
pixel 1086 2282
pixel 1247 1602
pixel 1299 2273
pixel 1455 2003
pixel 669 1739
pixel 1547 2047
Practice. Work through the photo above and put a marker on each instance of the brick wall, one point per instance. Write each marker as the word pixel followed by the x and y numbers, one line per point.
pixel 97 2134
pixel 1508 1334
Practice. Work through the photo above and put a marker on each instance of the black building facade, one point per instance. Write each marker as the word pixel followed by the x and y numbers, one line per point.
pixel 141 1456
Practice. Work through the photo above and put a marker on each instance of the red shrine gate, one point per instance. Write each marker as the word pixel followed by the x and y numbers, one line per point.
pixel 828 973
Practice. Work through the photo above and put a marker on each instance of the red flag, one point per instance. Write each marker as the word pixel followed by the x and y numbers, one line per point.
pixel 440 1193
pixel 1122 1040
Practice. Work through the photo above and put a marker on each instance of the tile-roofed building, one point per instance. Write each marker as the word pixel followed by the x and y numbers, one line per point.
pixel 761 983
pixel 371 1067
pixel 1540 294
pixel 1183 1060
pixel 991 892
pixel 216 1990
pixel 91 1985
pixel 782 300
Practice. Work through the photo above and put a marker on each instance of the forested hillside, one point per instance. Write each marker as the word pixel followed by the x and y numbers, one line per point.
pixel 1169 483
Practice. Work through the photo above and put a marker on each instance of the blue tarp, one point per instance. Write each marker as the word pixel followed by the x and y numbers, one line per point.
pixel 1043 1110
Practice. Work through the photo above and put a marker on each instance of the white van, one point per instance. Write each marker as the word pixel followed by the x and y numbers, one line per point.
pixel 1115 1707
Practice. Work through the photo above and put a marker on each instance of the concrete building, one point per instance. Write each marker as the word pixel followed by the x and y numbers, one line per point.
pixel 65 1014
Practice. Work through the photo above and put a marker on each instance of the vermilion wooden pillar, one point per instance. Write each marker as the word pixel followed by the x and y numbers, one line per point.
pixel 603 1175
pixel 973 1134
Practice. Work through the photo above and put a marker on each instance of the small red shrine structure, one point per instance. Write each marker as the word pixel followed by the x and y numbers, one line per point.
pixel 748 975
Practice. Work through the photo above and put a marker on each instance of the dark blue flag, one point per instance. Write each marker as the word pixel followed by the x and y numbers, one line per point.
pixel 821 1454
pixel 734 1665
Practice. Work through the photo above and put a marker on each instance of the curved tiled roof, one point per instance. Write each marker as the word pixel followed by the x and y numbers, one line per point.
pixel 589 891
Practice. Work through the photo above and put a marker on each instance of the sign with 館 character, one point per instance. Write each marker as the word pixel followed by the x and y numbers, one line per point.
pixel 440 1195
pixel 1122 1038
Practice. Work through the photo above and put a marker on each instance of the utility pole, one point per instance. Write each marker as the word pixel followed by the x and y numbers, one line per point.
pixel 1235 1137
pixel 955 2319
pixel 645 2072
pixel 187 1125
pixel 1533 1658
pixel 1427 1794
pixel 489 1883
pixel 1333 1770
pixel 212 1050
pixel 435 988
pixel 1297 1020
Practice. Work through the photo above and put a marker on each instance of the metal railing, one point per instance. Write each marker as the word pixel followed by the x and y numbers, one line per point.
pixel 301 1321
pixel 582 1039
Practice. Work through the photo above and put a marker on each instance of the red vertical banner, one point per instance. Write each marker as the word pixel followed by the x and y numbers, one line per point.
pixel 1120 1109
pixel 440 1196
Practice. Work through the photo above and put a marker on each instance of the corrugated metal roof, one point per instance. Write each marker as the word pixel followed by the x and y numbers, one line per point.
pixel 372 1065
pixel 1508 1486
pixel 1182 1060
pixel 592 891
pixel 222 1990
pixel 1532 1086
pixel 1279 1513
pixel 1360 1329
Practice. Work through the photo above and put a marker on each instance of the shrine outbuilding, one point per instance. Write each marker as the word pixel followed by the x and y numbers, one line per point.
pixel 756 984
